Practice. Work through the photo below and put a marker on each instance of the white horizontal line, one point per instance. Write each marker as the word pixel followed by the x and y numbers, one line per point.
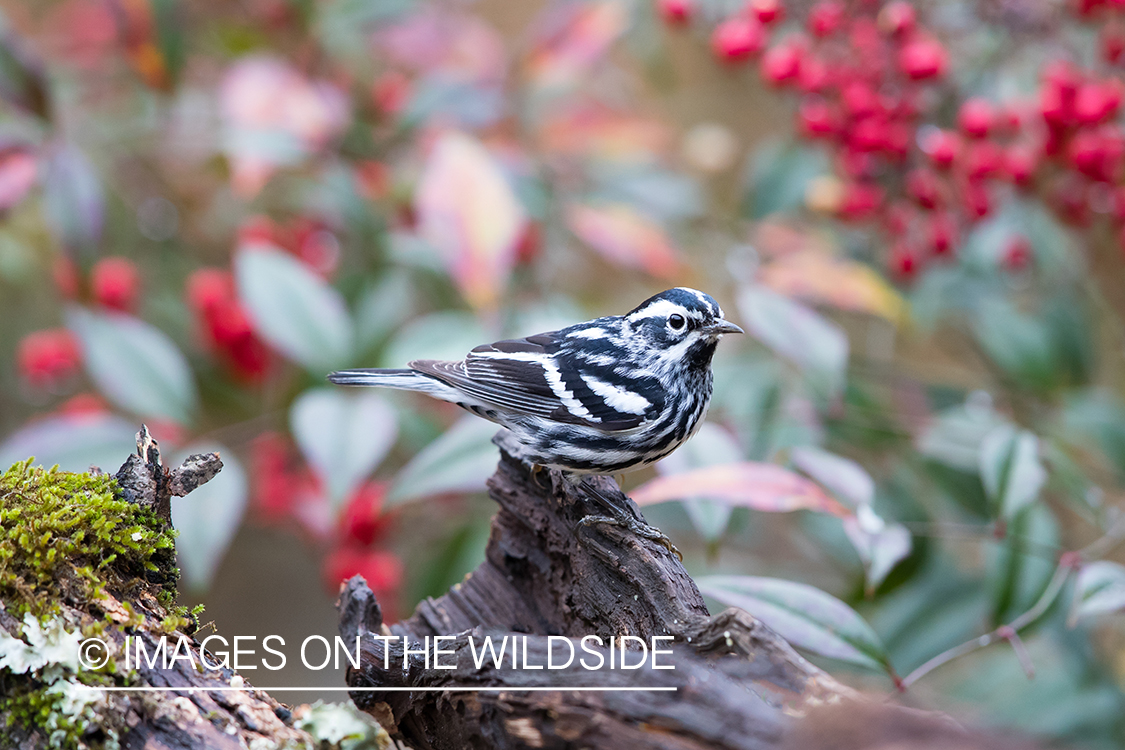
pixel 452 689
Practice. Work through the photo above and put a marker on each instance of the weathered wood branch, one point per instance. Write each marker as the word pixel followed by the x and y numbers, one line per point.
pixel 547 574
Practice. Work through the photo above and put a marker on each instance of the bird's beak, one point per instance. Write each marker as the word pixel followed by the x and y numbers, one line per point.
pixel 719 327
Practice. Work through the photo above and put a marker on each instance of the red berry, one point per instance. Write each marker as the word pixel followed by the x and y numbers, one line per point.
pixel 817 118
pixel 975 200
pixel 897 18
pixel 1057 93
pixel 1087 153
pixel 921 59
pixel 859 99
pixel 46 358
pixel 1113 44
pixel 1017 255
pixel 382 570
pixel 390 92
pixel 1097 101
pixel 738 38
pixel 924 187
pixel 860 200
pixel 942 234
pixel 208 288
pixel 904 261
pixel 869 134
pixel 767 11
pixel 943 147
pixel 1087 8
pixel 826 17
pixel 1020 163
pixel 115 283
pixel 976 117
pixel 676 12
pixel 983 159
pixel 363 521
pixel 781 64
pixel 813 75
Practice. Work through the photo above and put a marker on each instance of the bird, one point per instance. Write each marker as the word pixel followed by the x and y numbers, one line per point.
pixel 604 397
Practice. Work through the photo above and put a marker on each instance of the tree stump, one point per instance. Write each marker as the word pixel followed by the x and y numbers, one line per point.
pixel 737 684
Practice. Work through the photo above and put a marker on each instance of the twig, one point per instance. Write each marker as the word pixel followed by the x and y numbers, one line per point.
pixel 1008 632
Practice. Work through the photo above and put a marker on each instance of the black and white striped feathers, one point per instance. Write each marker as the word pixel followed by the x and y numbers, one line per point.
pixel 603 397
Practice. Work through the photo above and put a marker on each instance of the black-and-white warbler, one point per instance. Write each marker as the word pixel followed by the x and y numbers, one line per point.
pixel 603 397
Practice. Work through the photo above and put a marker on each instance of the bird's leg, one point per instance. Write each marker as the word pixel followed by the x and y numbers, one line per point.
pixel 625 518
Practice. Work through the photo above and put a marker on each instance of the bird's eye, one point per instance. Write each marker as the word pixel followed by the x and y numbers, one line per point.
pixel 677 322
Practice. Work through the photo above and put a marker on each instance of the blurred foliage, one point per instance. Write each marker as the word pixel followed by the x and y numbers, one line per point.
pixel 208 206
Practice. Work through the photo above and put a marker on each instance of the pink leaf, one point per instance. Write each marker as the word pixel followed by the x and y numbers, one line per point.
pixel 625 237
pixel 468 211
pixel 578 37
pixel 761 486
pixel 275 116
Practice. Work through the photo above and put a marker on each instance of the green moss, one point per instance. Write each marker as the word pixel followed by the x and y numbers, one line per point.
pixel 68 537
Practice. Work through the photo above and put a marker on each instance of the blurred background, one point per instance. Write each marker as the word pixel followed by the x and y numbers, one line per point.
pixel 915 209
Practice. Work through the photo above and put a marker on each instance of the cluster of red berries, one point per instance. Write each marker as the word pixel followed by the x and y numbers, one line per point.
pixel 224 326
pixel 867 72
pixel 113 283
pixel 286 490
pixel 49 359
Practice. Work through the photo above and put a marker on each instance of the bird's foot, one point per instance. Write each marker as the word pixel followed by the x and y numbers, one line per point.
pixel 639 528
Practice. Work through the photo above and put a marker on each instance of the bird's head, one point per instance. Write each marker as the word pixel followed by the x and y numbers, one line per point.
pixel 681 325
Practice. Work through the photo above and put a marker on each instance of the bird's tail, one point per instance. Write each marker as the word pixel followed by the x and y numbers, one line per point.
pixel 407 380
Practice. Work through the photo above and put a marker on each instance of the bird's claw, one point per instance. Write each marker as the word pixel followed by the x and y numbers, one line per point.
pixel 638 528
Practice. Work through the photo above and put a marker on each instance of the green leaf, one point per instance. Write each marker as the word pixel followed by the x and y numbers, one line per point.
pixel 75 443
pixel 73 201
pixel 208 518
pixel 293 309
pixel 846 479
pixel 458 461
pixel 778 177
pixel 880 545
pixel 1010 469
pixel 1099 589
pixel 818 347
pixel 1018 344
pixel 384 306
pixel 134 364
pixel 448 334
pixel 805 616
pixel 954 438
pixel 343 435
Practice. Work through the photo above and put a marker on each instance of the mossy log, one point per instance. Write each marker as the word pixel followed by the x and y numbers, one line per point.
pixel 87 556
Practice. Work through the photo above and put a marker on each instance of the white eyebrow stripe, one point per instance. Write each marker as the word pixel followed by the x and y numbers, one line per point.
pixel 661 309
pixel 618 398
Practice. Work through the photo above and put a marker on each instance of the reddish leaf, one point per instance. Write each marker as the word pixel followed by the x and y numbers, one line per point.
pixel 823 279
pixel 579 37
pixel 468 211
pixel 761 486
pixel 625 237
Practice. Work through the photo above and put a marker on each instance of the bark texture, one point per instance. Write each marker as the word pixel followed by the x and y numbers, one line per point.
pixel 737 683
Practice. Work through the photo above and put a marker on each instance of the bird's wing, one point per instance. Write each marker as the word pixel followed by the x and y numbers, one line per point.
pixel 528 376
